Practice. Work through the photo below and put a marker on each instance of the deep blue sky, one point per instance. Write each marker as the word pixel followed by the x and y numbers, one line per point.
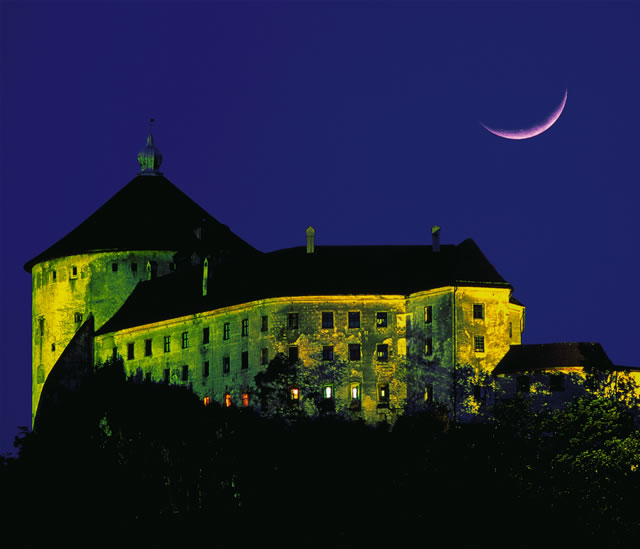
pixel 360 118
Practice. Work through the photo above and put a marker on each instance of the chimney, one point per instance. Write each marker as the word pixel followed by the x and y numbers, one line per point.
pixel 435 238
pixel 205 276
pixel 310 237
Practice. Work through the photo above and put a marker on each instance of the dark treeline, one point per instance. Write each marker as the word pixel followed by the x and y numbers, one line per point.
pixel 148 462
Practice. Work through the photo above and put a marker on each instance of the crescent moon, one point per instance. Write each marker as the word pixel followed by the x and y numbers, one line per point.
pixel 533 131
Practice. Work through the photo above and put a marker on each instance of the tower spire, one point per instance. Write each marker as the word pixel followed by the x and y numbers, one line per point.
pixel 150 158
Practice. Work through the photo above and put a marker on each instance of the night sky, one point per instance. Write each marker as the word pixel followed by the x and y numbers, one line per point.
pixel 362 119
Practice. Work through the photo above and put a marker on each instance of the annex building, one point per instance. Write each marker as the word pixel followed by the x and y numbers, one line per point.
pixel 155 279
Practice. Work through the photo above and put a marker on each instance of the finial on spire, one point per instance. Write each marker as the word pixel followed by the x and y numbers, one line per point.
pixel 150 158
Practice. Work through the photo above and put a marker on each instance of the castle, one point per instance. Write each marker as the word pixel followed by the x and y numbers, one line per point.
pixel 153 278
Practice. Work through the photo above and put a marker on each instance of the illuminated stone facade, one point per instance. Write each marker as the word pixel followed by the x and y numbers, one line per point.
pixel 171 294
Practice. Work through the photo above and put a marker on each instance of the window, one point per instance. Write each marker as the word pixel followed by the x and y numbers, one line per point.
pixel 382 351
pixel 206 401
pixel 510 330
pixel 355 391
pixel 381 320
pixel 166 375
pixel 245 326
pixel 327 321
pixel 185 373
pixel 478 311
pixel 147 347
pixel 522 384
pixel 428 314
pixel 245 400
pixel 77 318
pixel 264 356
pixel 428 393
pixel 227 400
pixel 265 323
pixel 167 344
pixel 225 331
pixel 41 326
pixel 205 336
pixel 185 340
pixel 115 353
pixel 245 360
pixel 428 346
pixel 327 391
pixel 134 267
pixel 205 369
pixel 383 393
pixel 354 319
pixel 54 276
pixel 40 374
pixel 478 344
pixel 295 394
pixel 130 351
pixel 53 347
pixel 354 351
pixel 293 321
pixel 74 272
pixel 327 352
pixel 114 267
pixel 226 365
pixel 293 353
pixel 147 377
pixel 556 382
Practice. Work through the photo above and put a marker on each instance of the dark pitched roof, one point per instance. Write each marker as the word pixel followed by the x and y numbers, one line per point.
pixel 149 213
pixel 547 356
pixel 331 270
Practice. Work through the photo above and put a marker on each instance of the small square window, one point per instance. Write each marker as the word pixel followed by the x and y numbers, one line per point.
pixel 245 327
pixel 478 344
pixel 147 347
pixel 185 373
pixel 381 320
pixel 327 321
pixel 134 267
pixel 167 344
pixel 327 352
pixel 205 368
pixel 114 267
pixel 265 323
pixel 205 336
pixel 293 353
pixel 227 400
pixel 293 321
pixel 327 391
pixel 383 392
pixel 77 317
pixel 354 319
pixel 130 351
pixel 355 391
pixel 428 314
pixel 428 346
pixel 185 340
pixel 478 311
pixel 226 365
pixel 354 351
pixel 382 352
pixel 54 276
pixel 245 400
pixel 264 356
pixel 74 272
pixel 245 360
pixel 226 330
pixel 53 347
pixel 206 401
pixel 295 393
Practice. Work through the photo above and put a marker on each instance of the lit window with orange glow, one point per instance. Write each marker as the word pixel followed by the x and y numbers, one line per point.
pixel 227 400
pixel 295 394
pixel 245 400
pixel 206 401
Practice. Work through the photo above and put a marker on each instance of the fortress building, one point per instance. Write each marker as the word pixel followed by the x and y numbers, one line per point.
pixel 153 278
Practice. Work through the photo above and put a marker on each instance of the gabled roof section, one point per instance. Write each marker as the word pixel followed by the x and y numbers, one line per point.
pixel 549 356
pixel 149 213
pixel 331 270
